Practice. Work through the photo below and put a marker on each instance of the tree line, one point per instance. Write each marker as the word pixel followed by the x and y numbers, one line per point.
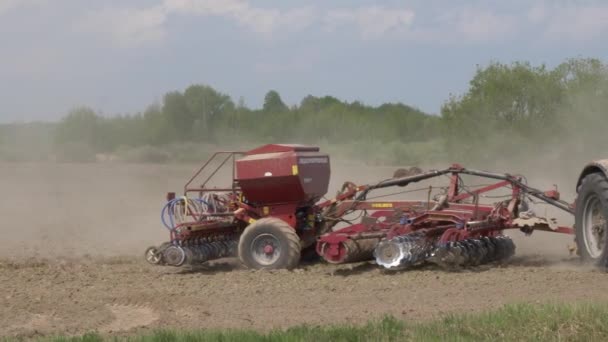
pixel 520 109
pixel 202 114
pixel 508 109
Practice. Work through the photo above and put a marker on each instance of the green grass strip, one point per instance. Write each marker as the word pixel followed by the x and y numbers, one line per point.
pixel 522 322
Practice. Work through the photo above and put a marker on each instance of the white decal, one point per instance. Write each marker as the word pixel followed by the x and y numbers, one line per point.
pixel 314 160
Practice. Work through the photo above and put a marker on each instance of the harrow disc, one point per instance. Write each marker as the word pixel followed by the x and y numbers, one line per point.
pixel 388 254
pixel 174 255
pixel 472 252
pixel 402 252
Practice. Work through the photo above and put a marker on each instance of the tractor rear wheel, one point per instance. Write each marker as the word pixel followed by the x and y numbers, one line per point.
pixel 269 243
pixel 590 219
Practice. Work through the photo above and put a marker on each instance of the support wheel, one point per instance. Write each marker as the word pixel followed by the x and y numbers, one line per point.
pixel 269 243
pixel 591 213
pixel 153 256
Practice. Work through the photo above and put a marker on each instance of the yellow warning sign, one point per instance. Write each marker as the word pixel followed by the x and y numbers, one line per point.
pixel 382 205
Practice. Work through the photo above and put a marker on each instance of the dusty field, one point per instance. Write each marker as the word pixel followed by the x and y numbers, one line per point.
pixel 70 262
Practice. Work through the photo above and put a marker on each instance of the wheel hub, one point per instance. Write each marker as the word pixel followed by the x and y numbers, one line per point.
pixel 265 249
pixel 175 255
pixel 268 249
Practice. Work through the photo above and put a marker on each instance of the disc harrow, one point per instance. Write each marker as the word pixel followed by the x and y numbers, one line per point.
pixel 405 251
pixel 190 254
pixel 473 252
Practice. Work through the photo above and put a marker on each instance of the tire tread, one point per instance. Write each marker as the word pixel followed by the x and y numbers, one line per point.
pixel 293 242
pixel 597 183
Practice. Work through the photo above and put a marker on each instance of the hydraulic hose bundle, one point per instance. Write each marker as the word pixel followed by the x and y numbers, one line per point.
pixel 184 209
pixel 184 212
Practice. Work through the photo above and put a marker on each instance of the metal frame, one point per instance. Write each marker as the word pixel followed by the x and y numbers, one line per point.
pixel 230 155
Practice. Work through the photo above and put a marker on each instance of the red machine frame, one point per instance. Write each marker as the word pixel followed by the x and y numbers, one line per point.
pixel 447 220
pixel 452 221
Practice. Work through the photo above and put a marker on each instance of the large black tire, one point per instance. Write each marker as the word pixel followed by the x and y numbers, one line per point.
pixel 590 219
pixel 273 232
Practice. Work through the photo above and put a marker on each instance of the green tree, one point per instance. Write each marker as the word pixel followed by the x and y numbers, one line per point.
pixel 310 104
pixel 81 125
pixel 504 104
pixel 179 117
pixel 583 75
pixel 585 108
pixel 273 103
pixel 206 106
pixel 155 131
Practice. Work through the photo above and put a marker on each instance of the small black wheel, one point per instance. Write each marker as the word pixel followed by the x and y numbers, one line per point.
pixel 269 243
pixel 590 219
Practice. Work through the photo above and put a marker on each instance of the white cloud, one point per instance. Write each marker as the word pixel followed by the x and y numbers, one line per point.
pixel 578 23
pixel 372 22
pixel 450 25
pixel 7 5
pixel 446 24
pixel 270 21
pixel 478 25
pixel 128 26
pixel 555 20
pixel 206 7
pixel 260 20
pixel 145 25
pixel 552 20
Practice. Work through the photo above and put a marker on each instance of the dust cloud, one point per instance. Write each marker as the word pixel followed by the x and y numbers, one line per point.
pixel 73 237
pixel 111 208
pixel 104 209
pixel 73 210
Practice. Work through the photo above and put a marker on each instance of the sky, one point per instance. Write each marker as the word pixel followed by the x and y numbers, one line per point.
pixel 119 56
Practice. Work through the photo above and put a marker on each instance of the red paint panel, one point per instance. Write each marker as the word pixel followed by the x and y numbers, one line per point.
pixel 283 173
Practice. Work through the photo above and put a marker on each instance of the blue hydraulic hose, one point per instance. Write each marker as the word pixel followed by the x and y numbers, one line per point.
pixel 162 216
pixel 168 210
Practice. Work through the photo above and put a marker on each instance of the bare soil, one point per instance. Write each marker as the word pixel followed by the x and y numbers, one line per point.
pixel 71 261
